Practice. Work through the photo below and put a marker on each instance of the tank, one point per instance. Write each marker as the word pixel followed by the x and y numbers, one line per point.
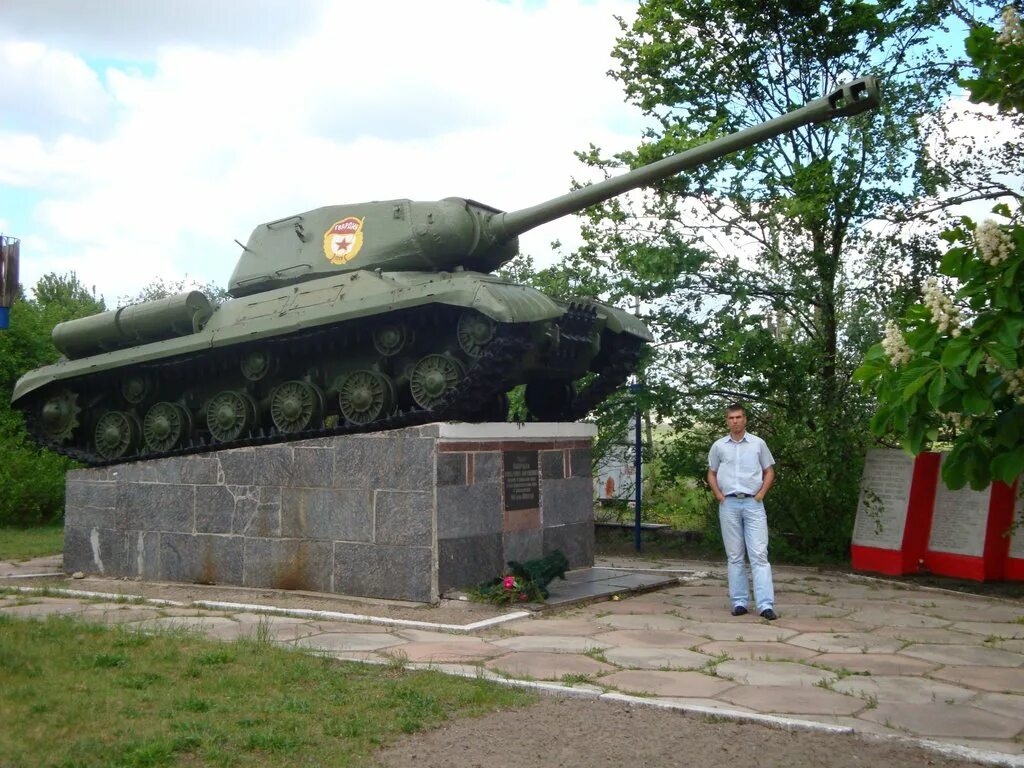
pixel 359 317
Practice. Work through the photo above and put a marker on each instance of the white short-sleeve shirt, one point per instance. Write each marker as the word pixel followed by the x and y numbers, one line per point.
pixel 740 465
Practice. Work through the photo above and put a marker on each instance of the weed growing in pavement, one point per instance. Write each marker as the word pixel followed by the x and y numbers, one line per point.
pixel 574 678
pixel 597 654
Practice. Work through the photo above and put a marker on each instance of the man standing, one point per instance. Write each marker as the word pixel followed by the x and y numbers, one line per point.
pixel 741 470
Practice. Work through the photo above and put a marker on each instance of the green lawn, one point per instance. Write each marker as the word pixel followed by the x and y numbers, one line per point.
pixel 77 694
pixel 25 543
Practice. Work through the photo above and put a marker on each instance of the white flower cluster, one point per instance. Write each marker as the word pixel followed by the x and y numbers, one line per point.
pixel 1015 384
pixel 1013 31
pixel 895 345
pixel 994 244
pixel 944 314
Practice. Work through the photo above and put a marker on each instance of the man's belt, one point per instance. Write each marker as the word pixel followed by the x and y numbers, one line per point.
pixel 739 495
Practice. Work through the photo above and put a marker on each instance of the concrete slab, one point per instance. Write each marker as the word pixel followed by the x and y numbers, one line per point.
pixel 876 663
pixel 778 699
pixel 924 635
pixel 1001 630
pixel 651 683
pixel 759 651
pixel 809 611
pixel 548 666
pixel 944 720
pixel 774 673
pixel 447 652
pixel 643 622
pixel 750 629
pixel 827 625
pixel 649 638
pixel 846 642
pixel 910 690
pixel 347 641
pixel 43 609
pixel 858 725
pixel 882 618
pixel 1001 704
pixel 122 615
pixel 544 626
pixel 964 655
pixel 550 644
pixel 684 701
pixel 996 679
pixel 656 658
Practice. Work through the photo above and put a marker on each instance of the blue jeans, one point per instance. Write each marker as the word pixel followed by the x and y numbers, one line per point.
pixel 745 529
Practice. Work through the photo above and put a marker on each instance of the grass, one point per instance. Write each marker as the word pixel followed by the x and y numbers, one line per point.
pixel 82 695
pixel 18 544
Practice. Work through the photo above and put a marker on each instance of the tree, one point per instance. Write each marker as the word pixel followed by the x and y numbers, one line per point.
pixel 749 267
pixel 161 289
pixel 951 369
pixel 33 479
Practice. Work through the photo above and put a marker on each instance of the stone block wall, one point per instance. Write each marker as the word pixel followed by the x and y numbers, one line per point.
pixel 406 514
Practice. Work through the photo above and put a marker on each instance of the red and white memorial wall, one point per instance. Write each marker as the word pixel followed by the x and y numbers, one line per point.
pixel 909 521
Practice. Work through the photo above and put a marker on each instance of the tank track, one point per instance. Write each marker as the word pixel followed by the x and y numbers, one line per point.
pixel 487 379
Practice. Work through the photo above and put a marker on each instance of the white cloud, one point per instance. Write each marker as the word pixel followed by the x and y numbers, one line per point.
pixel 211 136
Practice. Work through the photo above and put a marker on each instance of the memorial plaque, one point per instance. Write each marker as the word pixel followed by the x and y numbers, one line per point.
pixel 959 521
pixel 521 480
pixel 884 499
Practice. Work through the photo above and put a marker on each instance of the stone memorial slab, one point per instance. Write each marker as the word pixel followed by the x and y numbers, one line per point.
pixel 968 537
pixel 896 496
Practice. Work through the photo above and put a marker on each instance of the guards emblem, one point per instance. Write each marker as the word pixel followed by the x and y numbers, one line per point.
pixel 343 240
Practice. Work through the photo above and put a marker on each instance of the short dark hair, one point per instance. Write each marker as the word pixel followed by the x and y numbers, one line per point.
pixel 736 407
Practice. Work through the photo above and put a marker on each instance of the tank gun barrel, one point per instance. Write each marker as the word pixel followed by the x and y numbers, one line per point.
pixel 848 99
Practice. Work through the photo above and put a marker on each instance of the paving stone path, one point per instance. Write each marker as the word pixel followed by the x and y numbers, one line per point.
pixel 867 654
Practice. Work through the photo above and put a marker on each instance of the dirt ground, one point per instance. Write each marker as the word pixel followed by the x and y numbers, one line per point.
pixel 574 733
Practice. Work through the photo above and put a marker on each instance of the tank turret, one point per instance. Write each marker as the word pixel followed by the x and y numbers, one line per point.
pixel 400 235
pixel 358 317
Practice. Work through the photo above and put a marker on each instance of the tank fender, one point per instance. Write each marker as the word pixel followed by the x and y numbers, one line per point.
pixel 620 321
pixel 507 303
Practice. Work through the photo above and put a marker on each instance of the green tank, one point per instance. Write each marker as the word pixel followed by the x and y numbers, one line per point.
pixel 357 317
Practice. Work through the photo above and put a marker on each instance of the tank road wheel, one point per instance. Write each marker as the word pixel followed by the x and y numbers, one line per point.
pixel 549 400
pixel 432 378
pixel 165 426
pixel 390 339
pixel 474 331
pixel 117 435
pixel 136 387
pixel 365 396
pixel 58 416
pixel 230 415
pixel 296 406
pixel 255 364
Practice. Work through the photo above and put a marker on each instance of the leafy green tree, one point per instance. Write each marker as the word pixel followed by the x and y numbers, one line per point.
pixel 32 479
pixel 752 269
pixel 161 289
pixel 951 369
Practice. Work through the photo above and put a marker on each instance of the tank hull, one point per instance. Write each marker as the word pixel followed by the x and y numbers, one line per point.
pixel 360 351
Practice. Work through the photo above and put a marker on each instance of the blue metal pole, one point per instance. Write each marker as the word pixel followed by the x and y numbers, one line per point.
pixel 637 477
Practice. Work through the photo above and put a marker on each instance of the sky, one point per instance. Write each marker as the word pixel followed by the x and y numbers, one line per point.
pixel 139 140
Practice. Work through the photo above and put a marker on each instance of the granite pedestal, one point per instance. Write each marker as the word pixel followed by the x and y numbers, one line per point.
pixel 406 514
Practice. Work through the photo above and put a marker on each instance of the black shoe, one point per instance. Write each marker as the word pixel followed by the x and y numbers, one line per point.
pixel 768 614
pixel 739 610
